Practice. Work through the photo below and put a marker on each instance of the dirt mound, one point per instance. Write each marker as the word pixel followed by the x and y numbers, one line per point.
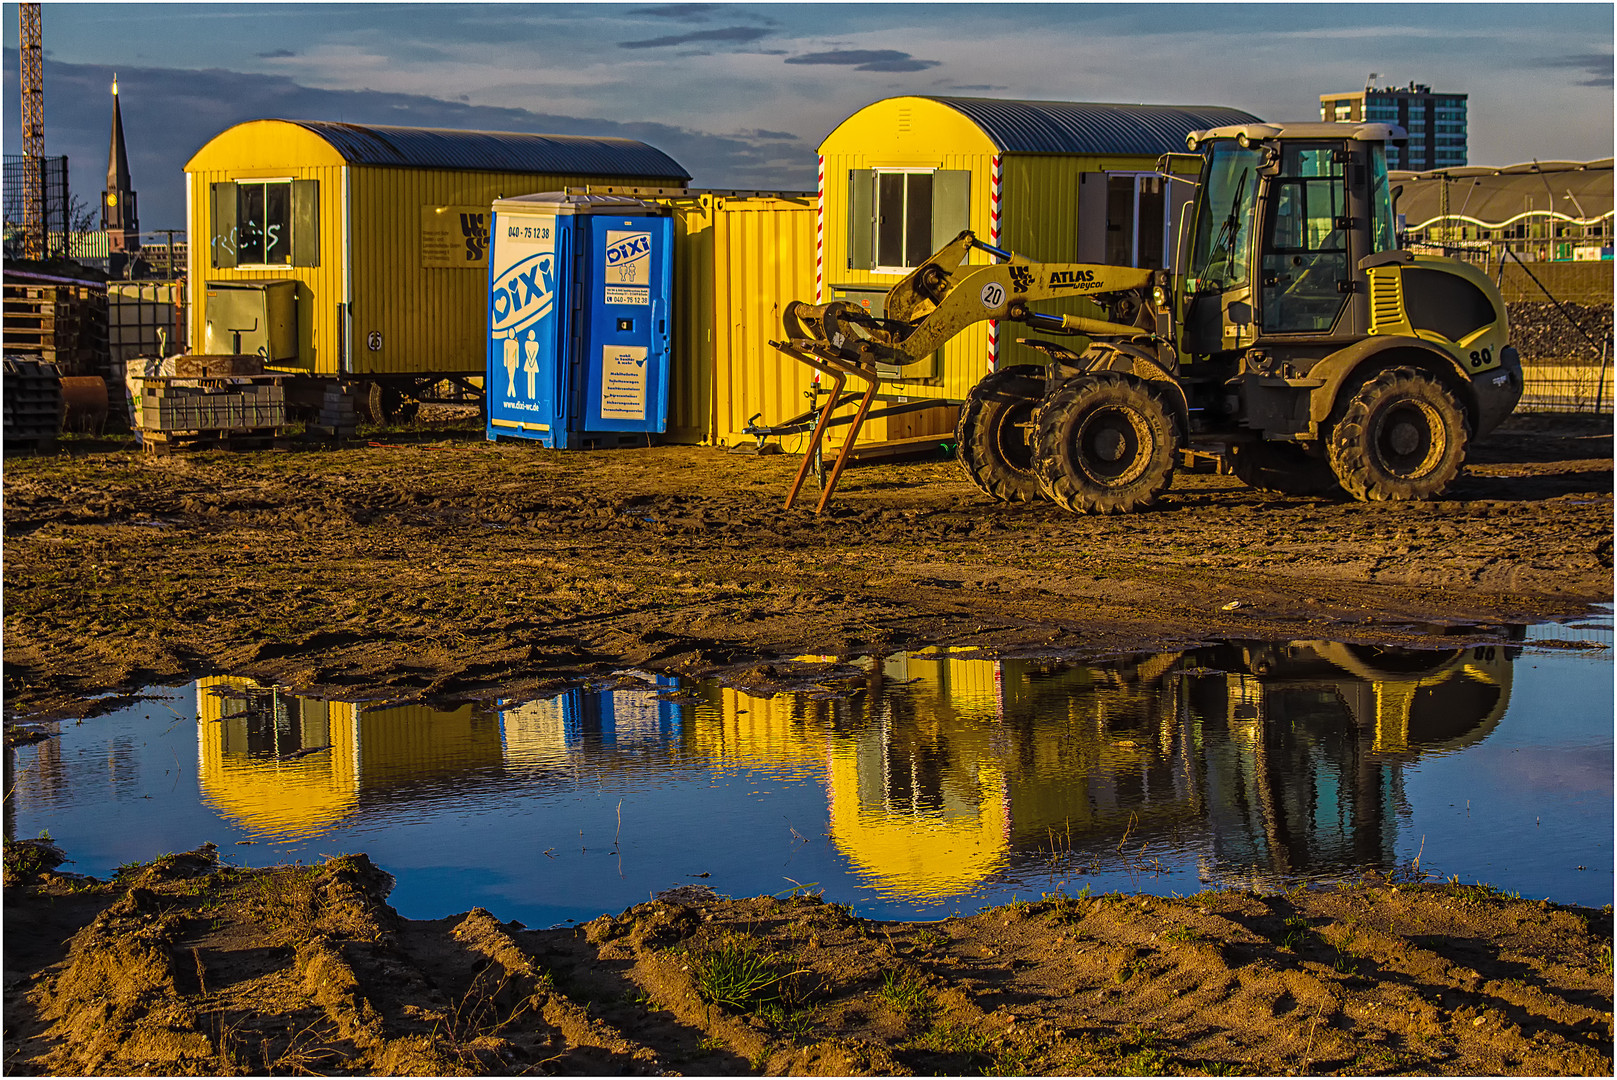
pixel 306 969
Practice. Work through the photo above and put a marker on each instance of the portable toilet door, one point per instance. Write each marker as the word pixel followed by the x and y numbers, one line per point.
pixel 579 319
pixel 527 326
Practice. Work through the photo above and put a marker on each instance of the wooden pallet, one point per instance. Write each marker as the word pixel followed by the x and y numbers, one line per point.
pixel 31 444
pixel 163 443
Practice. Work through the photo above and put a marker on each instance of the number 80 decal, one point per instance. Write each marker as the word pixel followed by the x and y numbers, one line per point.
pixel 1481 357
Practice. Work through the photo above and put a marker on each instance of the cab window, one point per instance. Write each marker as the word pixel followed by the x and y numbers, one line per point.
pixel 1306 257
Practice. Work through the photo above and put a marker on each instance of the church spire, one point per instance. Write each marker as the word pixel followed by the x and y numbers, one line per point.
pixel 118 216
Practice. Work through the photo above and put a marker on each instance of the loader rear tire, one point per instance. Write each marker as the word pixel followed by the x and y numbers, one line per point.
pixel 1282 466
pixel 1104 444
pixel 995 433
pixel 1400 437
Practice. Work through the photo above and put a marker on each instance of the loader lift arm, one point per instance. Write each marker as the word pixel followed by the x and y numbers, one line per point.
pixel 937 301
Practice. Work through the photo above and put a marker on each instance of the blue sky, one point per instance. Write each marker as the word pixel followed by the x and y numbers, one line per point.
pixel 741 94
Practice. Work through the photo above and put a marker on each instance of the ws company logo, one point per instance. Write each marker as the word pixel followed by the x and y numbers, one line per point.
pixel 628 256
pixel 523 295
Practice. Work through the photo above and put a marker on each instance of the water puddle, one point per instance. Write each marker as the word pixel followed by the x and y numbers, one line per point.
pixel 943 782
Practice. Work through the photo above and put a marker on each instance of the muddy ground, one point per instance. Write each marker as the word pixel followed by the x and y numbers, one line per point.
pixel 431 563
pixel 188 967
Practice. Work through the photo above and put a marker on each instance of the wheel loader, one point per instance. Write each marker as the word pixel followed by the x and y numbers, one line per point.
pixel 1293 337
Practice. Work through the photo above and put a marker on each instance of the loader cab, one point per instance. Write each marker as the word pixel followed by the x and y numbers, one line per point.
pixel 1285 215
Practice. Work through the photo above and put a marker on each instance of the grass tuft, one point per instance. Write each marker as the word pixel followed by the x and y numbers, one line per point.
pixel 735 972
pixel 906 993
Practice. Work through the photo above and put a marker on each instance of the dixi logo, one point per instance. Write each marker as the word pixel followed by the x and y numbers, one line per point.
pixel 522 295
pixel 633 247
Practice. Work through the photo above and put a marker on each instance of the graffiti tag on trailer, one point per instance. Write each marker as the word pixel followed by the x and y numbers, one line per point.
pixel 247 240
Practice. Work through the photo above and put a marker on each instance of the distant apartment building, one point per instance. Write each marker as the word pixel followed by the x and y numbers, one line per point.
pixel 1435 122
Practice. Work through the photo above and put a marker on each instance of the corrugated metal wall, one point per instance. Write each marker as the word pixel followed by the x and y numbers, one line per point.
pixel 738 261
pixel 319 287
pixel 764 259
pixel 430 319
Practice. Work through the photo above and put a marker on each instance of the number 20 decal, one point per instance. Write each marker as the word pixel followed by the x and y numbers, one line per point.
pixel 1481 357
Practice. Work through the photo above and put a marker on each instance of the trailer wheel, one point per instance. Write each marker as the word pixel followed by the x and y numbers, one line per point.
pixel 1104 444
pixel 995 433
pixel 1282 466
pixel 388 404
pixel 1400 437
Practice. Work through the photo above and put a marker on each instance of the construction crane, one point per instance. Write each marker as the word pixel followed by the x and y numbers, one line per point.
pixel 33 131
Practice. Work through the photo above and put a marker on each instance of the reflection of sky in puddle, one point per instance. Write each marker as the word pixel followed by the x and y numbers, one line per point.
pixel 944 782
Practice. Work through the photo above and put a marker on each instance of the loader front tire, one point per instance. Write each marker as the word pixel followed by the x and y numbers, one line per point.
pixel 1400 437
pixel 1104 444
pixel 995 432
pixel 1282 466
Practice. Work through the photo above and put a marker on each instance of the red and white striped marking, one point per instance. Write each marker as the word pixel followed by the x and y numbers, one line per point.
pixel 993 238
pixel 819 238
pixel 819 243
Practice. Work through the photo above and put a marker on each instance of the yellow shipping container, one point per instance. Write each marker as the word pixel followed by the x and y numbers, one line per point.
pixel 739 258
pixel 382 231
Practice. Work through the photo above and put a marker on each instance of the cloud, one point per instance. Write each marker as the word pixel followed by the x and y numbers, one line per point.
pixel 734 35
pixel 867 60
pixel 683 12
pixel 980 88
pixel 276 54
pixel 169 113
pixel 1597 66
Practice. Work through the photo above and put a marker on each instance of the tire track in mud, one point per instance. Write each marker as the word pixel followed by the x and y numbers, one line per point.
pixel 467 568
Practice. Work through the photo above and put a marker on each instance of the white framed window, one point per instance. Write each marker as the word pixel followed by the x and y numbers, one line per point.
pixel 903 218
pixel 269 222
pixel 897 217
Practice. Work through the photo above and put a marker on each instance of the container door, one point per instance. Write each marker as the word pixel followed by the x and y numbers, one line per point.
pixel 526 326
pixel 629 275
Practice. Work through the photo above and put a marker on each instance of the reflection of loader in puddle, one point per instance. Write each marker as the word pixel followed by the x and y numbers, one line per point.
pixel 1280 759
pixel 1307 744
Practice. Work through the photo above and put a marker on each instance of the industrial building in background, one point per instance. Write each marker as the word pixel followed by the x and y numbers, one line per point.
pixel 1435 122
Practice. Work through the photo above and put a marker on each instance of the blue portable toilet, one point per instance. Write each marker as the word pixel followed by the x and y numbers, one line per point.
pixel 580 314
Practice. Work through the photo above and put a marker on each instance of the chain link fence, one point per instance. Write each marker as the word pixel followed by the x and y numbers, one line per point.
pixel 1560 322
pixel 51 174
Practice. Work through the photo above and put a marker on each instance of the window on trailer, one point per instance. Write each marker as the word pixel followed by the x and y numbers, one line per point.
pixel 1136 219
pixel 903 219
pixel 265 223
pixel 898 217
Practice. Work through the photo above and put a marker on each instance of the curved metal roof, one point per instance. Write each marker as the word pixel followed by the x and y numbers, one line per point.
pixel 495 151
pixel 1494 197
pixel 1083 127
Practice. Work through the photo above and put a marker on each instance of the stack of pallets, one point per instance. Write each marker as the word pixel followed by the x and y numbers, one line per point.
pixel 65 325
pixel 32 404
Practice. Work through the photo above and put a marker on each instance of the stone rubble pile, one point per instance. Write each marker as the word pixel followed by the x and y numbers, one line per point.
pixel 1540 331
